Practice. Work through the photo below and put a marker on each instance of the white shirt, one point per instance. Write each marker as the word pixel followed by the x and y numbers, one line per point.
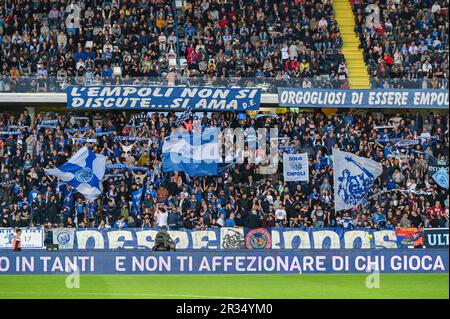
pixel 162 39
pixel 220 222
pixel 427 67
pixel 280 214
pixel 293 51
pixel 435 8
pixel 307 84
pixel 424 136
pixel 412 49
pixel 323 23
pixel 161 218
pixel 284 53
pixel 126 148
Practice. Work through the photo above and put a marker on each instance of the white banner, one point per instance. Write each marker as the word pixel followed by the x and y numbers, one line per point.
pixel 64 237
pixel 232 238
pixel 353 178
pixel 229 238
pixel 295 167
pixel 31 238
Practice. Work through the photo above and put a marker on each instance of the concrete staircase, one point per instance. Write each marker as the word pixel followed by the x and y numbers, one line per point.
pixel 358 76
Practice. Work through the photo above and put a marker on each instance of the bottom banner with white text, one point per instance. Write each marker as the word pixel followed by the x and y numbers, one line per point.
pixel 231 262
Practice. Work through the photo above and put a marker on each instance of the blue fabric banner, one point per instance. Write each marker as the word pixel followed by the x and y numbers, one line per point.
pixel 10 133
pixel 229 262
pixel 293 97
pixel 136 199
pixel 163 98
pixel 196 154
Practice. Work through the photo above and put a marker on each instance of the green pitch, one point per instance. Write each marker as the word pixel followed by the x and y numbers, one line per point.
pixel 225 286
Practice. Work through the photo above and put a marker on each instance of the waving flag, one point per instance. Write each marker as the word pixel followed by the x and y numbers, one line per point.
pixel 441 178
pixel 32 196
pixel 184 116
pixel 438 169
pixel 196 154
pixel 353 178
pixel 136 199
pixel 83 171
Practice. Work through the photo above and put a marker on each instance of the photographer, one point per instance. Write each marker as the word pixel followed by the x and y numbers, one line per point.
pixel 163 241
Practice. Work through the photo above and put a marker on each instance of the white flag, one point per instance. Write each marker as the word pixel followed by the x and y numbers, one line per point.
pixel 83 171
pixel 295 167
pixel 353 178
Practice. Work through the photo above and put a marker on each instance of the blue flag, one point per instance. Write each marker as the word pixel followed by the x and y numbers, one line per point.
pixel 136 198
pixel 83 171
pixel 438 169
pixel 196 154
pixel 441 178
pixel 32 195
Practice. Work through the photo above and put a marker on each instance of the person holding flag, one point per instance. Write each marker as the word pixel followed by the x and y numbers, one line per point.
pixel 32 196
pixel 150 190
pixel 83 171
pixel 184 119
pixel 136 200
pixel 120 223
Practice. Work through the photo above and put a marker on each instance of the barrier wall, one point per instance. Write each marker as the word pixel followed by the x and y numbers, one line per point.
pixel 390 98
pixel 232 238
pixel 230 262
pixel 228 238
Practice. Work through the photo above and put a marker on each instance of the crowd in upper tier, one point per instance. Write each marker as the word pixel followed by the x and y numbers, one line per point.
pixel 49 44
pixel 263 39
pixel 86 41
pixel 45 45
pixel 406 41
pixel 243 195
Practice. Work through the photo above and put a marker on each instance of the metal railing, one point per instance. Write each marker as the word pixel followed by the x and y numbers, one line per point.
pixel 58 84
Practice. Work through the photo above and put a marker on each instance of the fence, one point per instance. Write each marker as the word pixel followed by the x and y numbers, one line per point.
pixel 57 84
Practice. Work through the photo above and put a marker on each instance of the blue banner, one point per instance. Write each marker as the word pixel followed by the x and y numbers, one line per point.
pixel 230 238
pixel 390 98
pixel 10 133
pixel 436 238
pixel 136 199
pixel 163 98
pixel 196 154
pixel 233 262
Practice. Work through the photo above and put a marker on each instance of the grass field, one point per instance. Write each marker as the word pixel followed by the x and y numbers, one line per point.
pixel 417 286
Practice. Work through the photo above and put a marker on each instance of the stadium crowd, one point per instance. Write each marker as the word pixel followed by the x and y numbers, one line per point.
pixel 85 41
pixel 263 39
pixel 405 42
pixel 404 195
pixel 45 45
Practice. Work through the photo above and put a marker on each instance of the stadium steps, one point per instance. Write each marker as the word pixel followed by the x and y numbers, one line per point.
pixel 358 76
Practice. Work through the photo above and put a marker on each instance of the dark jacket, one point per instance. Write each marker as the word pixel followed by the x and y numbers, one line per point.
pixel 252 221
